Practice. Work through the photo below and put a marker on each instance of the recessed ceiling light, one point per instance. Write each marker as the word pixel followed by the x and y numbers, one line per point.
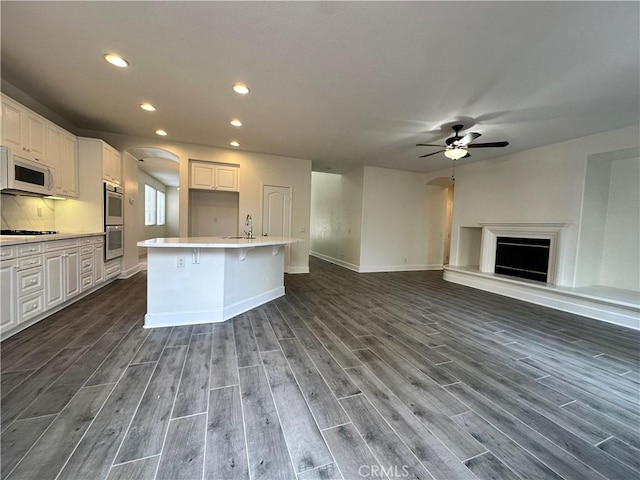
pixel 240 88
pixel 116 60
pixel 234 144
pixel 161 132
pixel 236 123
pixel 148 107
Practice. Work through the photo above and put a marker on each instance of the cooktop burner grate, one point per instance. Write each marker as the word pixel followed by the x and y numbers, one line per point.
pixel 27 232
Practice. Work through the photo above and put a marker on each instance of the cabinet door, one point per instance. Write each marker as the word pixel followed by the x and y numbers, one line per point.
pixel 116 166
pixel 72 273
pixel 98 264
pixel 227 178
pixel 54 279
pixel 8 295
pixel 12 119
pixel 54 147
pixel 36 137
pixel 203 176
pixel 69 165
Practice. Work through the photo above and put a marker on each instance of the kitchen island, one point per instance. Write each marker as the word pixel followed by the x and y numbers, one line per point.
pixel 193 280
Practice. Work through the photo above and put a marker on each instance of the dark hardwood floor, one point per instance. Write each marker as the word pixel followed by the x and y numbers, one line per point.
pixel 391 375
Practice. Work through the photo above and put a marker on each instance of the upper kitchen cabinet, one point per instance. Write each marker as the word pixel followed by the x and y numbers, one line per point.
pixel 24 131
pixel 214 176
pixel 100 160
pixel 62 148
pixel 111 164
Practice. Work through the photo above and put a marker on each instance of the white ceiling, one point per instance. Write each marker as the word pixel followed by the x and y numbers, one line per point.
pixel 343 84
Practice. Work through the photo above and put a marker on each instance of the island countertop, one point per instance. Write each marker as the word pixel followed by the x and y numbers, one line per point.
pixel 216 242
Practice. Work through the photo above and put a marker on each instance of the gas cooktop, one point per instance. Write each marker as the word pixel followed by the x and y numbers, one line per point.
pixel 27 232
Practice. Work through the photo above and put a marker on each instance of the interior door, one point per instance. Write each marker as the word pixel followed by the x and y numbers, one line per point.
pixel 276 215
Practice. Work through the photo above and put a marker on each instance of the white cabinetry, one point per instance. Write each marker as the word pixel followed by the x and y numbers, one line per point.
pixel 63 155
pixel 214 176
pixel 111 164
pixel 8 290
pixel 62 270
pixel 24 131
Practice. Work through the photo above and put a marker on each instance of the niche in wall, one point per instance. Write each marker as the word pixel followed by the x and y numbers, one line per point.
pixel 608 251
pixel 469 243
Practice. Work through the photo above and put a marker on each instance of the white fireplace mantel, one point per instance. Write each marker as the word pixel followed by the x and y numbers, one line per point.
pixel 551 231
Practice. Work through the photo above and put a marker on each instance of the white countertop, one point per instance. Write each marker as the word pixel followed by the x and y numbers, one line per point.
pixel 216 242
pixel 6 240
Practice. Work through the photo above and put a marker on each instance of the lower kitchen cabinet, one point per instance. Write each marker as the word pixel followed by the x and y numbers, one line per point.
pixel 39 278
pixel 8 294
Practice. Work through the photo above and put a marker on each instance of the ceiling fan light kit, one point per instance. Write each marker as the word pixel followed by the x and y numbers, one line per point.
pixel 457 147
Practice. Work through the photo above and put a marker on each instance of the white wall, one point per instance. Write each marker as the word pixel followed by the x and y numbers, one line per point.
pixel 130 263
pixel 173 212
pixel 336 217
pixel 377 219
pixel 148 231
pixel 213 214
pixel 403 221
pixel 256 170
pixel 541 184
pixel 620 265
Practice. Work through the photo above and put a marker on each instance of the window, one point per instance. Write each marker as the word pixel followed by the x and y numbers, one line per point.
pixel 160 208
pixel 154 206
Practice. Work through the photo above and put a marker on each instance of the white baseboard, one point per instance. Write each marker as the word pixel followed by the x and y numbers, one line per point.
pixel 376 268
pixel 295 270
pixel 130 272
pixel 598 309
pixel 335 261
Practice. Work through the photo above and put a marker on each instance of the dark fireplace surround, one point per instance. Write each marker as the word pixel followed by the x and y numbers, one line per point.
pixel 523 257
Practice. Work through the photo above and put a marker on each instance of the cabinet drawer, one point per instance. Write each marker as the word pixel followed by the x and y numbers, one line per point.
pixel 60 245
pixel 7 253
pixel 111 270
pixel 30 262
pixel 86 262
pixel 86 281
pixel 29 249
pixel 30 281
pixel 30 306
pixel 86 250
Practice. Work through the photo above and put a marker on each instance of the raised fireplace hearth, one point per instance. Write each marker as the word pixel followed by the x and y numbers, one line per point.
pixel 523 257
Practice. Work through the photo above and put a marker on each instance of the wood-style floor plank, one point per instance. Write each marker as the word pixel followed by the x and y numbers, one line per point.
pixel 246 346
pixel 183 453
pixel 149 425
pixel 267 450
pixel 226 450
pixel 387 447
pixel 193 393
pixel 306 445
pixel 325 407
pixel 352 453
pixel 19 438
pixel 224 362
pixel 143 469
pixel 262 331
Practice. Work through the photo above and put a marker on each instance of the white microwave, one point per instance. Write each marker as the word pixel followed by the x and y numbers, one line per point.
pixel 21 175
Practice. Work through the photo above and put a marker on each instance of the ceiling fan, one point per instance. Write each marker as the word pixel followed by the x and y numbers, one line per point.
pixel 457 146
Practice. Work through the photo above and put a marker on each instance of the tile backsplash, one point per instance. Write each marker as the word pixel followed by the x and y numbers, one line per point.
pixel 27 213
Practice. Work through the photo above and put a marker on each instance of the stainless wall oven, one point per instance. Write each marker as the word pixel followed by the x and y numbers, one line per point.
pixel 114 241
pixel 113 221
pixel 113 205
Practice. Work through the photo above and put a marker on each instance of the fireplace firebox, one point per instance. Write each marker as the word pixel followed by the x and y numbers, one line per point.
pixel 523 257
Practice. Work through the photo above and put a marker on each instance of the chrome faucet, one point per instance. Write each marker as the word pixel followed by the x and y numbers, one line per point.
pixel 249 223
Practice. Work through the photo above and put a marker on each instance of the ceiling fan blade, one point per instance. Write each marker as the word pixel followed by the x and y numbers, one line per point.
pixel 428 145
pixel 487 145
pixel 468 138
pixel 429 154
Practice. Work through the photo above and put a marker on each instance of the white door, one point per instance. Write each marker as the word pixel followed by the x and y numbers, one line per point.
pixel 276 215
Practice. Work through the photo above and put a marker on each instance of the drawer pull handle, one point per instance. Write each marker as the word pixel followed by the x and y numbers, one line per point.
pixel 33 281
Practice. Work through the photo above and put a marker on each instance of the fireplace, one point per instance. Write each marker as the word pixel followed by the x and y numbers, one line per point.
pixel 534 249
pixel 523 257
